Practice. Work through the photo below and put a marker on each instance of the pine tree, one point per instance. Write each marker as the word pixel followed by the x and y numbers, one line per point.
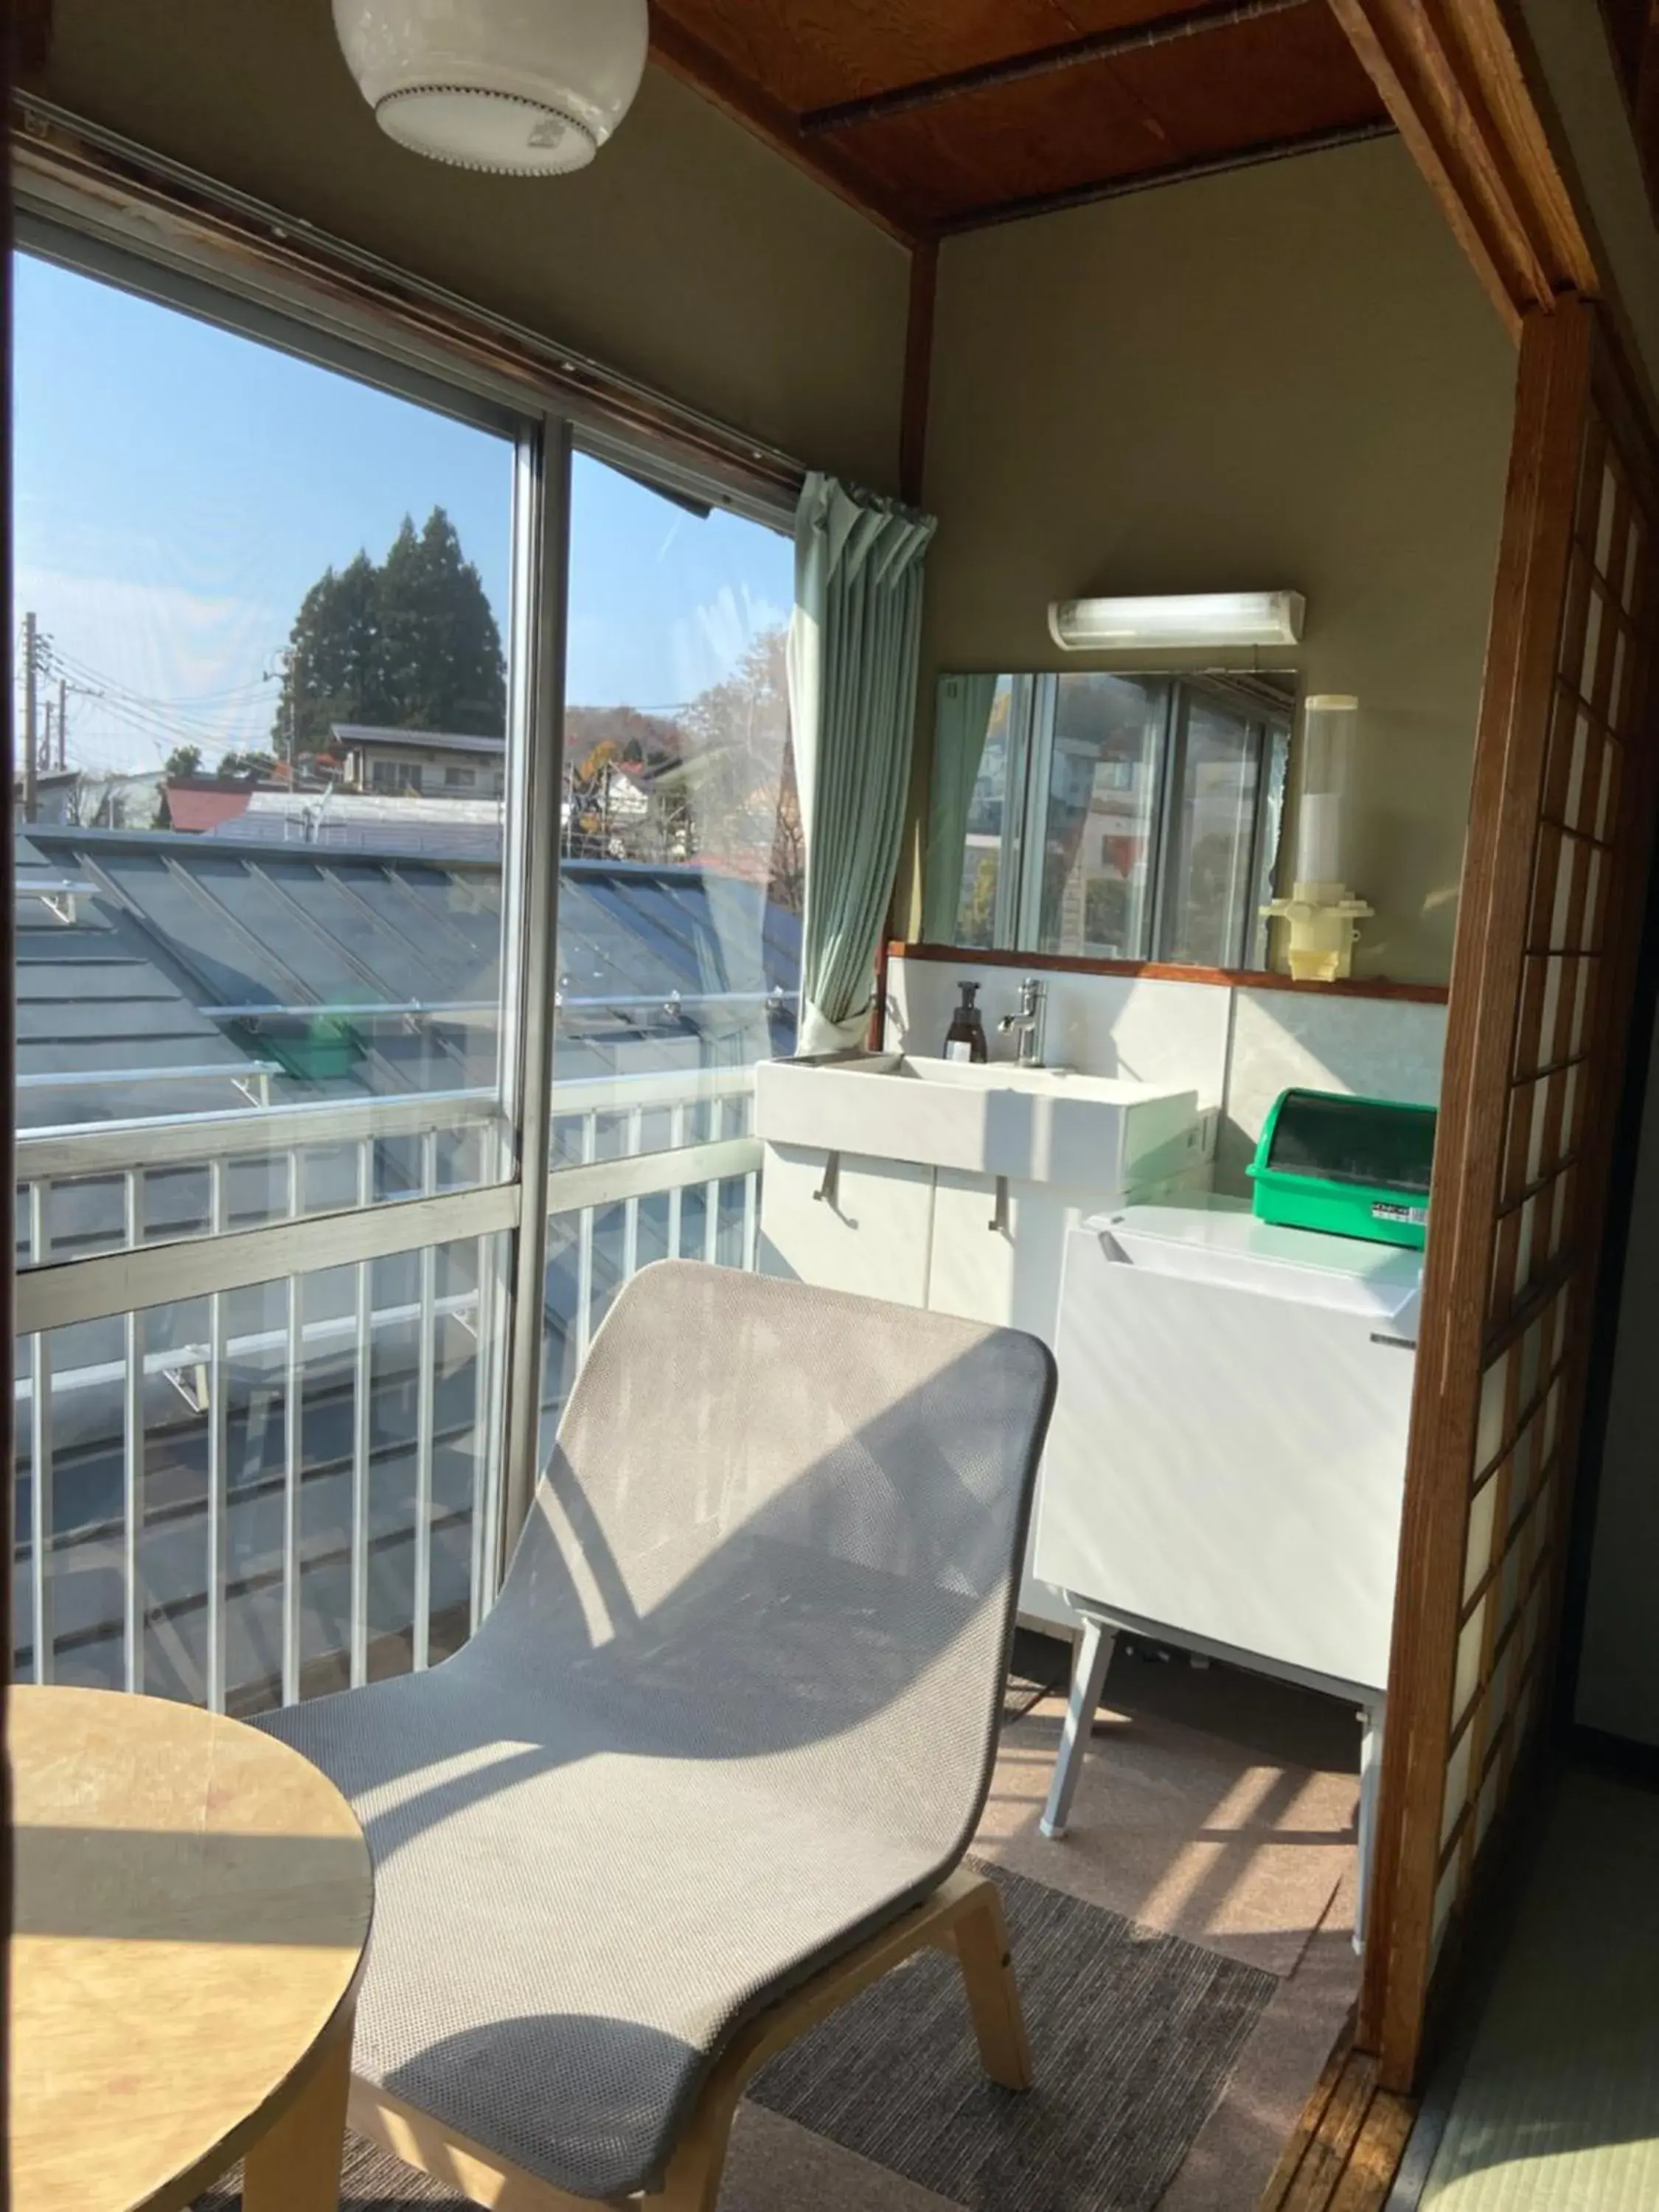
pixel 410 644
pixel 440 651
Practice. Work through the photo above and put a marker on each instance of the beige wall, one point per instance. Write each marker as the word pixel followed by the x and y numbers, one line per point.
pixel 689 255
pixel 1286 377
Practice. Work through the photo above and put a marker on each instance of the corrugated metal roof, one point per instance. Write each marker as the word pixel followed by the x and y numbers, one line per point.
pixel 346 974
pixel 400 823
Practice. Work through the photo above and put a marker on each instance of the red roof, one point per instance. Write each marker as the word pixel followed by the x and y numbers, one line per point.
pixel 202 810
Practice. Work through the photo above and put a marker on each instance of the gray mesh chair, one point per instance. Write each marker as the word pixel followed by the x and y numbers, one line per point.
pixel 710 1764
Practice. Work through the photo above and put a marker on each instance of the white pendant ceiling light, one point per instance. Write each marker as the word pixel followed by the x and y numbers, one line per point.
pixel 525 87
pixel 1184 618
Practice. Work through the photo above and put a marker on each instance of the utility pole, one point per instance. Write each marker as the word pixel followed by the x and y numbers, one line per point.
pixel 63 721
pixel 31 658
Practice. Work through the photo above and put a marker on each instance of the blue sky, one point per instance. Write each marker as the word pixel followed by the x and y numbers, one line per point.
pixel 177 489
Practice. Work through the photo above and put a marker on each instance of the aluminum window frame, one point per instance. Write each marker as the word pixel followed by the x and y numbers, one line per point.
pixel 1172 788
pixel 97 184
pixel 107 243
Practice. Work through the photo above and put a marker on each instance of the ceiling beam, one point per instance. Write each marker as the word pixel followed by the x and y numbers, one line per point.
pixel 1016 68
pixel 1450 77
pixel 1173 172
pixel 697 64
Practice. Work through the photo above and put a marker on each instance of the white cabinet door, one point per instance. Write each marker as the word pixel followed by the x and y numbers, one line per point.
pixel 1007 1274
pixel 973 1266
pixel 870 1232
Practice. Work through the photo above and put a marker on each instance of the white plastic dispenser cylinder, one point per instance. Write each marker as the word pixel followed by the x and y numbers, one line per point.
pixel 1321 912
pixel 1330 722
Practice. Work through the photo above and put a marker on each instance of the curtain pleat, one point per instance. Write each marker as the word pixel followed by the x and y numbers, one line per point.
pixel 854 644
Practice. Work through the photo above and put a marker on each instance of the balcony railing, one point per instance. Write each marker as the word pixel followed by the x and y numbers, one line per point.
pixel 258 1374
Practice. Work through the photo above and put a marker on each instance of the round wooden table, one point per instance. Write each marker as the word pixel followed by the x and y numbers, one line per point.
pixel 192 1903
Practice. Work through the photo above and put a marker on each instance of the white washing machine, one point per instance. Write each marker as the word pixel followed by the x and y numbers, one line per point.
pixel 1226 1463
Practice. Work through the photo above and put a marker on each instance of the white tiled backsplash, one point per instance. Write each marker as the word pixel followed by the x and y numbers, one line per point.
pixel 1238 1049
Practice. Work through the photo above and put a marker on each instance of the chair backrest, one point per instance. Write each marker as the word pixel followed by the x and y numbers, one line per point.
pixel 785 1525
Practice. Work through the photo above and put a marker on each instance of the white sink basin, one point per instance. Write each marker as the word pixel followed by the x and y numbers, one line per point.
pixel 1031 1124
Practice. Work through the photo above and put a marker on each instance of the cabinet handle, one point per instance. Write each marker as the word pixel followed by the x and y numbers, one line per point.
pixel 998 1224
pixel 828 1187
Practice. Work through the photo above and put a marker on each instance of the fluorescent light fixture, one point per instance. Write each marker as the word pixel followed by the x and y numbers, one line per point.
pixel 1183 618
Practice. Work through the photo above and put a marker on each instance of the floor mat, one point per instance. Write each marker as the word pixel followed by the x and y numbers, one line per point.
pixel 1558 2109
pixel 1133 2035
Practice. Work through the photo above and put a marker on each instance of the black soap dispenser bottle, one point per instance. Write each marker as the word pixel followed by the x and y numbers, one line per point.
pixel 965 1038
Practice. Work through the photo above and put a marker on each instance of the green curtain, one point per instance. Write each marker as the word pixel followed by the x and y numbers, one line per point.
pixel 961 722
pixel 854 644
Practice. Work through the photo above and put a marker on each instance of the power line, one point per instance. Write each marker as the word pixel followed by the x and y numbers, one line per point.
pixel 174 718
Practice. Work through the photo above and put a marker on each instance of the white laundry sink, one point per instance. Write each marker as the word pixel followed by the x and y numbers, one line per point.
pixel 1031 1124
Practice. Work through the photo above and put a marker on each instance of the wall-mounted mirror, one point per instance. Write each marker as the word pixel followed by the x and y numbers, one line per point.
pixel 1113 817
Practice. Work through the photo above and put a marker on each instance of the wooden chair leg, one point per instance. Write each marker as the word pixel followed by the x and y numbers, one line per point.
pixel 979 1938
pixel 692 2183
pixel 294 2167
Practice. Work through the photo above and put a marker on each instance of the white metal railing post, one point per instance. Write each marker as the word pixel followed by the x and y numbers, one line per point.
pixel 40 1484
pixel 218 1529
pixel 486 1430
pixel 40 1506
pixel 293 1446
pixel 634 1127
pixel 711 1201
pixel 426 1392
pixel 158 1276
pixel 677 1196
pixel 585 1247
pixel 132 1462
pixel 362 1435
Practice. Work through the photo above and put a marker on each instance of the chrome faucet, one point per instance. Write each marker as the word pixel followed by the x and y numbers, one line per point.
pixel 1027 1023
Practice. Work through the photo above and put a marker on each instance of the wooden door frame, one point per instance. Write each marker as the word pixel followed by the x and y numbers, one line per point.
pixel 1451 75
pixel 1459 80
pixel 1535 551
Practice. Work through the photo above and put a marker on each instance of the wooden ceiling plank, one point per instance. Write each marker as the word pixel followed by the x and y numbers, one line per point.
pixel 1252 85
pixel 1291 79
pixel 1006 145
pixel 1449 76
pixel 684 55
pixel 809 52
pixel 1176 173
pixel 1092 46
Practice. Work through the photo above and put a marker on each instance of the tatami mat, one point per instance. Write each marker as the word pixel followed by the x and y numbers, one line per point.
pixel 1558 2109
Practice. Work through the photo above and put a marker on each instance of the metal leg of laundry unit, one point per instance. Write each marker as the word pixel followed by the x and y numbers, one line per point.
pixel 1372 1717
pixel 1093 1656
